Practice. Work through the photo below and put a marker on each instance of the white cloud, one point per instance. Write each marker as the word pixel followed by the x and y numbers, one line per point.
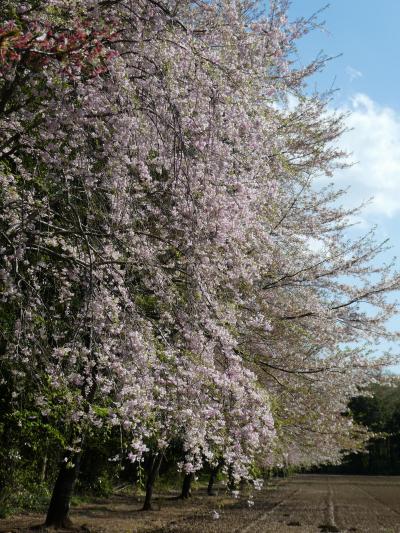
pixel 353 73
pixel 374 141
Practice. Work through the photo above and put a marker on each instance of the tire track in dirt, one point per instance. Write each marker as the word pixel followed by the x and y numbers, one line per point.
pixel 384 504
pixel 330 511
pixel 368 515
pixel 264 515
pixel 372 514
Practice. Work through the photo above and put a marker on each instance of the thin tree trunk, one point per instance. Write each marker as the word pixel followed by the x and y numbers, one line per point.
pixel 57 514
pixel 152 475
pixel 211 481
pixel 43 470
pixel 187 487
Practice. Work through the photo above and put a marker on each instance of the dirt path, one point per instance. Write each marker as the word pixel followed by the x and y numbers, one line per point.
pixel 306 504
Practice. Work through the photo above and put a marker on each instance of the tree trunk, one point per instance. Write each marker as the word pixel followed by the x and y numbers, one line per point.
pixel 231 479
pixel 43 470
pixel 57 514
pixel 187 487
pixel 152 475
pixel 211 481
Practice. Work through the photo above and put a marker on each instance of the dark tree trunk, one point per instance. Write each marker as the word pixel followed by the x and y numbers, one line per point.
pixel 187 487
pixel 231 479
pixel 211 481
pixel 152 474
pixel 242 484
pixel 57 514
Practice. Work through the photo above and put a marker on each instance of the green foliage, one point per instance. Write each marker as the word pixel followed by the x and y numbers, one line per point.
pixel 24 495
pixel 379 412
pixel 98 475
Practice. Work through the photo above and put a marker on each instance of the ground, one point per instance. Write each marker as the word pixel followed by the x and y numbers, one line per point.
pixel 300 504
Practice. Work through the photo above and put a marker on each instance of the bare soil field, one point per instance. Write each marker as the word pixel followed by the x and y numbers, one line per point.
pixel 303 503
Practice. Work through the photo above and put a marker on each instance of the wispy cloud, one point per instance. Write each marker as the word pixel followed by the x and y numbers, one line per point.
pixel 353 73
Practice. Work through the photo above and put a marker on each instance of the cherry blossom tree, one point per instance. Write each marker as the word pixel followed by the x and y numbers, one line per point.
pixel 157 215
pixel 325 296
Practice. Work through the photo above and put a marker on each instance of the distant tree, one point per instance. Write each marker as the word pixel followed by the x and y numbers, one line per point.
pixel 380 413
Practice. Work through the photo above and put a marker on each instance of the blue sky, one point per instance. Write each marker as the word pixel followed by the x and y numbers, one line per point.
pixel 367 77
pixel 367 35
